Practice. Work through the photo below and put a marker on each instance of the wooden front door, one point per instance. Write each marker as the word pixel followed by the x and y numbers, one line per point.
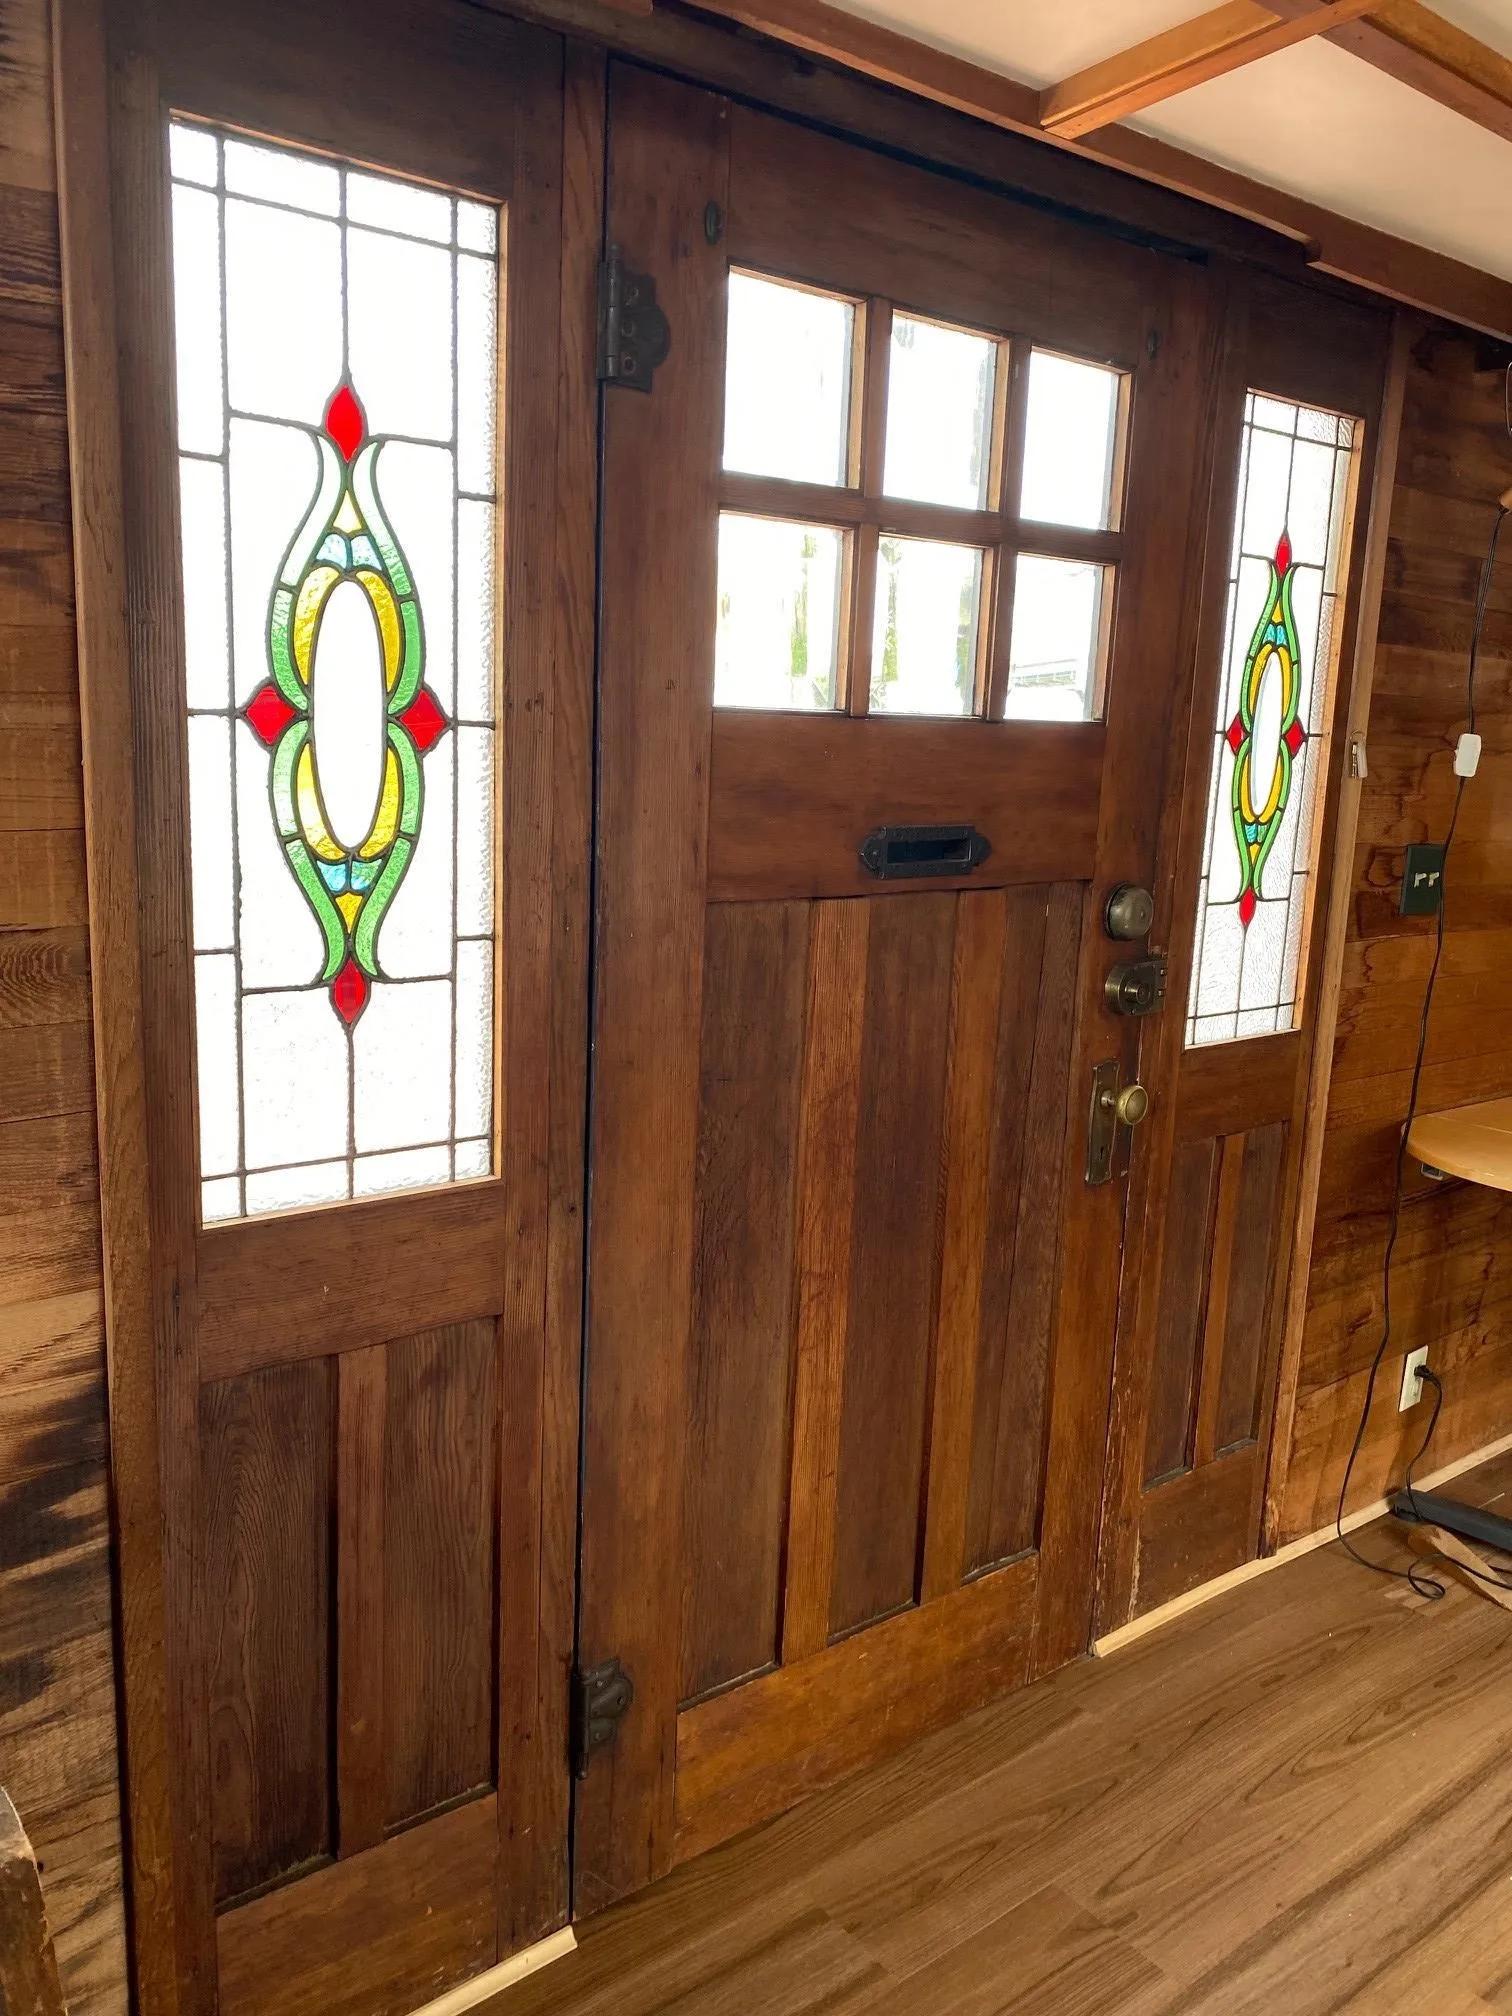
pixel 1243 905
pixel 337 258
pixel 898 559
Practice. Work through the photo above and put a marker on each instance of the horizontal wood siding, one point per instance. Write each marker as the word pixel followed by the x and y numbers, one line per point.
pixel 1452 1276
pixel 57 1690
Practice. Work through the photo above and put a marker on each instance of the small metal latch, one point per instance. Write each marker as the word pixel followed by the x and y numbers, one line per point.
pixel 1137 987
pixel 600 1696
pixel 634 334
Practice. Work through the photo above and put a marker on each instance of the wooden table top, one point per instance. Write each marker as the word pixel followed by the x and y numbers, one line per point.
pixel 1474 1142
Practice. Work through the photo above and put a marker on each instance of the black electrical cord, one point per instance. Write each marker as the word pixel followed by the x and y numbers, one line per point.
pixel 1425 1585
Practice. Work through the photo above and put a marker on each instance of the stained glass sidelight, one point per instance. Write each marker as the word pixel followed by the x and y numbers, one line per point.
pixel 339 526
pixel 1290 549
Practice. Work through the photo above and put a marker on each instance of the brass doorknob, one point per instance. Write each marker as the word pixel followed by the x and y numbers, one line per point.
pixel 1133 1104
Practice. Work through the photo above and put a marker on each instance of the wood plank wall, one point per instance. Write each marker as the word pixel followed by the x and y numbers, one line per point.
pixel 1452 1279
pixel 57 1698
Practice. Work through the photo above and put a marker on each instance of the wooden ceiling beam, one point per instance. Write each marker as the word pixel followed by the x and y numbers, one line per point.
pixel 1191 53
pixel 1421 49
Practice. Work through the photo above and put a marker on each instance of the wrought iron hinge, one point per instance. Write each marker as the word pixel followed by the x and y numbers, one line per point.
pixel 634 335
pixel 600 1696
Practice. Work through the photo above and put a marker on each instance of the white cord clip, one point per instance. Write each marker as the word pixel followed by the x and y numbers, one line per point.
pixel 1467 755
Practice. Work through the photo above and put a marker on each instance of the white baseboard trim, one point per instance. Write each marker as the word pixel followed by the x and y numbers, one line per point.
pixel 480 1987
pixel 1167 1613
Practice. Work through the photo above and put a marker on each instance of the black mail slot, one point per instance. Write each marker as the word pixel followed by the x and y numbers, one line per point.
pixel 892 852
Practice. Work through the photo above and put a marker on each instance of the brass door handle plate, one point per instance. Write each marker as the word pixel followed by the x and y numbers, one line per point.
pixel 1112 1106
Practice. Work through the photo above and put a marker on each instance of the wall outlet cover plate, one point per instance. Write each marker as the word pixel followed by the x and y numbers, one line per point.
pixel 1422 881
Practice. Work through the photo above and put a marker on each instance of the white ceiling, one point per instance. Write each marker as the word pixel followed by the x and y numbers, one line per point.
pixel 1313 120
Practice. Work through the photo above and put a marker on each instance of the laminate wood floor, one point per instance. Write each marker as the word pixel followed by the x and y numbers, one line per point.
pixel 1296 1799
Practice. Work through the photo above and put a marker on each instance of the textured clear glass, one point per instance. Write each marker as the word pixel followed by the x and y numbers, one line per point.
pixel 787 381
pixel 405 1169
pixel 211 839
pixel 478 227
pixel 298 1188
pixel 339 526
pixel 197 320
pixel 1055 641
pixel 399 333
pixel 477 344
pixel 1271 722
pixel 294 1071
pixel 282 360
pixel 279 175
pixel 399 206
pixel 777 633
pixel 221 1198
pixel 402 1050
pixel 215 1033
pixel 940 389
pixel 207 649
pixel 193 155
pixel 1070 442
pixel 926 628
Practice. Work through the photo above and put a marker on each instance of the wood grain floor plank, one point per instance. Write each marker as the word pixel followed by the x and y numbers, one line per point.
pixel 1292 1800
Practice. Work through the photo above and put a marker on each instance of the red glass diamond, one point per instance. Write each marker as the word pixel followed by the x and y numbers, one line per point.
pixel 349 992
pixel 424 720
pixel 1294 737
pixel 345 422
pixel 1247 908
pixel 1283 553
pixel 1235 735
pixel 267 714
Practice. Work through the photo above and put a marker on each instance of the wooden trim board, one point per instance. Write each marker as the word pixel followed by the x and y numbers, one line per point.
pixel 1167 1613
pixel 1341 877
pixel 529 1960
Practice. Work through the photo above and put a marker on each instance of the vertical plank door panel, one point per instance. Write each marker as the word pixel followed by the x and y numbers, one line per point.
pixel 440 1447
pixel 1183 1298
pixel 894 1257
pixel 836 1022
pixel 1034 1052
pixel 266 1447
pixel 740 1362
pixel 1250 1272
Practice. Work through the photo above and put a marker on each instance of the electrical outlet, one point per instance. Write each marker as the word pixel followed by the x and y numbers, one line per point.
pixel 1412 1378
pixel 1422 881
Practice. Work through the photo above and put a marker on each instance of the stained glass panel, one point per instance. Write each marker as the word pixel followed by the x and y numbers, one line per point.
pixel 337 337
pixel 1270 741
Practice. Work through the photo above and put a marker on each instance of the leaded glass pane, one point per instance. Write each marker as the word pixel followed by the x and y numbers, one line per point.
pixel 338 504
pixel 1270 741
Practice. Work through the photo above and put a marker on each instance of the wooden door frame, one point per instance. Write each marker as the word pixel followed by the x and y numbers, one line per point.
pixel 544 841
pixel 1176 889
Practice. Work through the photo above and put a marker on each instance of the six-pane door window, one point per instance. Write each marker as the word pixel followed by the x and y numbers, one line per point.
pixel 918 519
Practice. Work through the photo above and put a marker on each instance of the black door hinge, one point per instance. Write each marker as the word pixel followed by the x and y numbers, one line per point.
pixel 634 334
pixel 600 1696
